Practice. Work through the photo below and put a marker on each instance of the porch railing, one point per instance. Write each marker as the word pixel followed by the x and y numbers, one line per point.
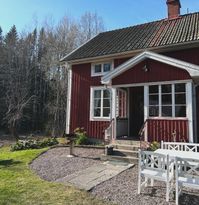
pixel 110 132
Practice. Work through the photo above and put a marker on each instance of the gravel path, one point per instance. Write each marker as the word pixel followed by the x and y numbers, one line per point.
pixel 54 164
pixel 121 190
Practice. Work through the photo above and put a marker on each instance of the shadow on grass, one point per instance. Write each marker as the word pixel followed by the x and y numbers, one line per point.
pixel 9 162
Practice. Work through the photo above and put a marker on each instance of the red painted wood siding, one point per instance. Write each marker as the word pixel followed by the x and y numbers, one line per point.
pixel 157 72
pixel 163 129
pixel 80 101
pixel 82 80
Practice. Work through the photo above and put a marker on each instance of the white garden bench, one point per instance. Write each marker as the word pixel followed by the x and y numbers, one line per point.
pixel 187 174
pixel 180 146
pixel 155 167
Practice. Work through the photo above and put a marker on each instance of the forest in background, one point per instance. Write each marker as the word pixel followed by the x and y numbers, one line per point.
pixel 33 83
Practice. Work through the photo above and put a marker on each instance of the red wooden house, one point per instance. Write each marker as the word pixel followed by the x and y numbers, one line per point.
pixel 143 77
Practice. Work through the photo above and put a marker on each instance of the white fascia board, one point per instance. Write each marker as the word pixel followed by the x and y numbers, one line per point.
pixel 192 69
pixel 63 59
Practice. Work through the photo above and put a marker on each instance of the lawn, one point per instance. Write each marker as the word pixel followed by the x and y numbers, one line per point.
pixel 20 186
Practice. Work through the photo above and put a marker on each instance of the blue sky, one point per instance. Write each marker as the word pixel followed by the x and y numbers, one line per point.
pixel 115 13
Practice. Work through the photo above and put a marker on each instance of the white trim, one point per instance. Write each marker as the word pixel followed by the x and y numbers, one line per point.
pixel 68 108
pixel 195 114
pixel 102 73
pixel 151 83
pixel 113 108
pixel 189 109
pixel 192 69
pixel 160 99
pixel 173 101
pixel 146 110
pixel 92 118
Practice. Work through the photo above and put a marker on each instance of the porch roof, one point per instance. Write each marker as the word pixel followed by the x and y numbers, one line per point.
pixel 192 69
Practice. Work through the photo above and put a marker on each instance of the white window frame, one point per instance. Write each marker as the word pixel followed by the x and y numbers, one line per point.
pixel 92 117
pixel 173 101
pixel 93 74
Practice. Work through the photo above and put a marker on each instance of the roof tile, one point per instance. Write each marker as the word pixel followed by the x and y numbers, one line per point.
pixel 154 34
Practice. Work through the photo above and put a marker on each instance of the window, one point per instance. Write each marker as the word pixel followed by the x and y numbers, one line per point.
pixel 99 69
pixel 167 100
pixel 153 100
pixel 100 103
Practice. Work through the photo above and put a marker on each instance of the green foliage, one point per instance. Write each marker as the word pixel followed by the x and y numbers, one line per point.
pixel 154 146
pixel 20 186
pixel 33 144
pixel 81 136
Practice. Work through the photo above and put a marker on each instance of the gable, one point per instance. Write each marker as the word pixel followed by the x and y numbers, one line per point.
pixel 157 72
pixel 191 69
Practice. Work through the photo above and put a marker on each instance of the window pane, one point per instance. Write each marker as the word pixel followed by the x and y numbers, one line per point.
pixel 106 94
pixel 167 99
pixel 180 87
pixel 97 112
pixel 180 99
pixel 106 103
pixel 98 68
pixel 166 111
pixel 180 111
pixel 106 112
pixel 153 99
pixel 166 89
pixel 107 67
pixel 154 111
pixel 153 89
pixel 97 94
pixel 97 103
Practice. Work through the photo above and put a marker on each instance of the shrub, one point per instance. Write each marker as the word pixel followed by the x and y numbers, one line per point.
pixel 33 144
pixel 81 136
pixel 154 146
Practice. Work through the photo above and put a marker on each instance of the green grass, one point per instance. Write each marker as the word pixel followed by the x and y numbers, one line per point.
pixel 20 186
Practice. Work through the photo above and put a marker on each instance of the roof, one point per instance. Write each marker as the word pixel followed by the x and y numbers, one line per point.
pixel 149 35
pixel 192 69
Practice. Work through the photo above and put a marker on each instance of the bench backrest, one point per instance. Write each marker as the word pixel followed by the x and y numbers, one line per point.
pixel 180 146
pixel 188 168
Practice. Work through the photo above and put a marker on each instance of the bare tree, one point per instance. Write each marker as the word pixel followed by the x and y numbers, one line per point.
pixel 90 25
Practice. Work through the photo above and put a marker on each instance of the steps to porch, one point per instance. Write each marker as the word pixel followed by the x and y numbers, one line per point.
pixel 122 150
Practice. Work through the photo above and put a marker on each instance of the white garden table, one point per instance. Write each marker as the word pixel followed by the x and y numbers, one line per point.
pixel 182 154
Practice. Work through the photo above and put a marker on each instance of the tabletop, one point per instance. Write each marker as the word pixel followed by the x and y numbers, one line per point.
pixel 182 154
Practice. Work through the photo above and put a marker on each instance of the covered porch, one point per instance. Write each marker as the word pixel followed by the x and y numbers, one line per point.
pixel 153 98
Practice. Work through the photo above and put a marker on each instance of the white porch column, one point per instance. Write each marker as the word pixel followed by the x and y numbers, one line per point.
pixel 146 110
pixel 68 108
pixel 114 96
pixel 189 109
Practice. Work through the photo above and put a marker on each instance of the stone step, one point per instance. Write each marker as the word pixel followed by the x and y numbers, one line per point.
pixel 126 147
pixel 122 152
pixel 127 142
pixel 127 159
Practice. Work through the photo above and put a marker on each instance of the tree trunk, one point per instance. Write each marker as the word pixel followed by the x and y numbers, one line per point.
pixel 13 131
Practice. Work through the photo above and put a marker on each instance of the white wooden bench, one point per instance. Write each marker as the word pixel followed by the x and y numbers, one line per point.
pixel 155 166
pixel 180 146
pixel 187 175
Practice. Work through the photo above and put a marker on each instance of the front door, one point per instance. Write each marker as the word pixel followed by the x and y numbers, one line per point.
pixel 136 111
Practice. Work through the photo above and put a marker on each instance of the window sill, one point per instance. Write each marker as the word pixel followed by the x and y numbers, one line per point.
pixel 167 118
pixel 100 119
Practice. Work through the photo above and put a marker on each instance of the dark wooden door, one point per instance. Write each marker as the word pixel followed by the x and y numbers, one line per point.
pixel 136 110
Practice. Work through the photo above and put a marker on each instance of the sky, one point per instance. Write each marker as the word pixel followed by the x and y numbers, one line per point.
pixel 25 14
